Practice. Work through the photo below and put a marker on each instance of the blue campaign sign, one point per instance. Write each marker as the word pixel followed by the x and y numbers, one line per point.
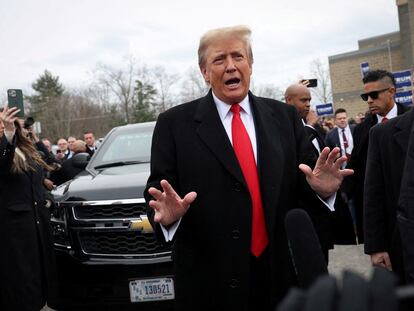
pixel 402 78
pixel 405 98
pixel 364 68
pixel 324 109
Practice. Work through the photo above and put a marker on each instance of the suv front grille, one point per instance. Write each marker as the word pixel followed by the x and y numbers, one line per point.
pixel 120 243
pixel 114 211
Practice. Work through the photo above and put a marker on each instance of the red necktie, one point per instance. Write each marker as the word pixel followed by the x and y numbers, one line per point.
pixel 384 119
pixel 346 144
pixel 243 148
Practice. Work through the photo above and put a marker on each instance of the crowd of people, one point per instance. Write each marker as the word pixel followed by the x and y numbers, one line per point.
pixel 225 170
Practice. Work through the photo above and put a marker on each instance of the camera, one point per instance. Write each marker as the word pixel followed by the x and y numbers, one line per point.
pixel 28 122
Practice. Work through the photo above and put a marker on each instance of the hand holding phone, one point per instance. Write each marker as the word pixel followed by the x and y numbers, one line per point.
pixel 309 82
pixel 15 99
pixel 8 117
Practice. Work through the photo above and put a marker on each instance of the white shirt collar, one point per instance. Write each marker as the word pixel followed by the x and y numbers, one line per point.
pixel 391 114
pixel 223 108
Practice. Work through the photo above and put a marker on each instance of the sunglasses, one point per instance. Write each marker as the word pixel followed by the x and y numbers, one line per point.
pixel 373 94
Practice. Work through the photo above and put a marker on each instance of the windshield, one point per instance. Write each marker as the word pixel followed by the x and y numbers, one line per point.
pixel 129 144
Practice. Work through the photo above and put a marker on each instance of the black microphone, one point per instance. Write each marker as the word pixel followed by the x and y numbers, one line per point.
pixel 304 246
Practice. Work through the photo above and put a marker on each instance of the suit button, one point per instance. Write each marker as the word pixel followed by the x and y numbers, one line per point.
pixel 35 203
pixel 237 186
pixel 235 234
pixel 234 283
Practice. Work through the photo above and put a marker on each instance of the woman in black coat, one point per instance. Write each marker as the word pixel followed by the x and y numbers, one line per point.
pixel 26 257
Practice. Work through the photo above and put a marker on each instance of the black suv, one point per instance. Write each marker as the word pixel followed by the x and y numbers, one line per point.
pixel 107 254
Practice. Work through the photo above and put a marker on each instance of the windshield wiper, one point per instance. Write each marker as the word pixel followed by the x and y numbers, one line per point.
pixel 119 163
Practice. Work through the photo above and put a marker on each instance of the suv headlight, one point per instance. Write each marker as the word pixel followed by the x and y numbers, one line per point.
pixel 59 226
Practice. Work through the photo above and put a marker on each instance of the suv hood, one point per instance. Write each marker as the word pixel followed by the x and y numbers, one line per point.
pixel 120 182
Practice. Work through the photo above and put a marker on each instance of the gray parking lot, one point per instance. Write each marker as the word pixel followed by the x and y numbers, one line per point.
pixel 343 257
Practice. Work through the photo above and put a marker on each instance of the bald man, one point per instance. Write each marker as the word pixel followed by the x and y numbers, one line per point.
pixel 329 225
pixel 299 96
pixel 68 170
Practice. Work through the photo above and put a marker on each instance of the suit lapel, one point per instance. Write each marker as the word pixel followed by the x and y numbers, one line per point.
pixel 270 156
pixel 212 133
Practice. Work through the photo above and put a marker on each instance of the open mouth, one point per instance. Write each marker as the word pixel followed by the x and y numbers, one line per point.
pixel 234 82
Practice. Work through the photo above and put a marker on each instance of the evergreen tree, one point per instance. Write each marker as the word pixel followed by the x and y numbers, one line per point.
pixel 144 101
pixel 47 89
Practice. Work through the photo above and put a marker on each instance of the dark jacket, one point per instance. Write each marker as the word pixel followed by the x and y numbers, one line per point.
pixel 332 138
pixel 332 227
pixel 353 185
pixel 211 250
pixel 405 213
pixel 26 260
pixel 66 172
pixel 385 163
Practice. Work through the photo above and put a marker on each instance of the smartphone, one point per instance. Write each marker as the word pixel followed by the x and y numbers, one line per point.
pixel 311 82
pixel 15 99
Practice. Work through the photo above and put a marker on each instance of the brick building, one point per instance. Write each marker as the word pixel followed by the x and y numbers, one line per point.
pixel 393 52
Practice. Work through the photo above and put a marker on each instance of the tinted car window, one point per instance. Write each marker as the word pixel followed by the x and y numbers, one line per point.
pixel 126 144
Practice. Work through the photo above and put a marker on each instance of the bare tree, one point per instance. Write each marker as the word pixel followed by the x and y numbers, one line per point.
pixel 193 85
pixel 164 83
pixel 323 92
pixel 118 83
pixel 267 90
pixel 73 113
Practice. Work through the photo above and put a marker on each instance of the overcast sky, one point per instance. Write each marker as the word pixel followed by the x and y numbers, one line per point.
pixel 70 37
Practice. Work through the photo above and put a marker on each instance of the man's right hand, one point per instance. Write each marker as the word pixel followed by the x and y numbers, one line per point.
pixel 381 259
pixel 168 205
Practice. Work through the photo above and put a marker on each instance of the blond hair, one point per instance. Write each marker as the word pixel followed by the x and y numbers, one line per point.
pixel 242 33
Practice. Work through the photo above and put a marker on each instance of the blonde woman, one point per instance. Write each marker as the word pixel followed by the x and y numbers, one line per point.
pixel 26 259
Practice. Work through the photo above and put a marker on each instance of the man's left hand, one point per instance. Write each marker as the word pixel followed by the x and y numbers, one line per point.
pixel 327 175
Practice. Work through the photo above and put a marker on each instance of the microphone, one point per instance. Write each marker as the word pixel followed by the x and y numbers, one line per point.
pixel 304 246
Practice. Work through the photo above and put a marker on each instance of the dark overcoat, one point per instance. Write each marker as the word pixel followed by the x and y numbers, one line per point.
pixel 387 151
pixel 26 258
pixel 353 185
pixel 211 249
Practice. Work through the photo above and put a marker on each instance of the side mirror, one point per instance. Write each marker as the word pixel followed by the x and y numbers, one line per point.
pixel 80 160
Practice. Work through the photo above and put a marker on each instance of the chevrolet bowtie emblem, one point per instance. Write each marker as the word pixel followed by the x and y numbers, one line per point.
pixel 141 224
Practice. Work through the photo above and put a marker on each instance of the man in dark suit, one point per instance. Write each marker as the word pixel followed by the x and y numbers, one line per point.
pixel 379 91
pixel 89 139
pixel 387 151
pixel 330 225
pixel 226 216
pixel 68 171
pixel 341 135
pixel 405 213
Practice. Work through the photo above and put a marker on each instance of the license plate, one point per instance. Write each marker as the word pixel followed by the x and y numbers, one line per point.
pixel 151 289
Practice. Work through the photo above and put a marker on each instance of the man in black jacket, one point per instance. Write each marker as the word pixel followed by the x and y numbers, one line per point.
pixel 379 91
pixel 227 207
pixel 330 225
pixel 388 145
pixel 67 171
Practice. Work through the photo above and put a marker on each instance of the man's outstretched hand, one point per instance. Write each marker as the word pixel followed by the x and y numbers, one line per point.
pixel 168 205
pixel 327 175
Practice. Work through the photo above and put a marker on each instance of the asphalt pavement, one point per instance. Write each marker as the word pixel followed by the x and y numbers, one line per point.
pixel 349 257
pixel 342 257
